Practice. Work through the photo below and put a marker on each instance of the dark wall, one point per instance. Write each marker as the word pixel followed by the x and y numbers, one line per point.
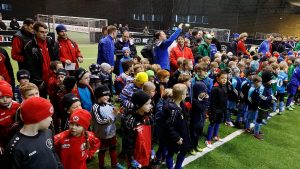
pixel 237 15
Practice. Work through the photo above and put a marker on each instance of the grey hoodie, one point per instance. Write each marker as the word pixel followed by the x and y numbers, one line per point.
pixel 103 121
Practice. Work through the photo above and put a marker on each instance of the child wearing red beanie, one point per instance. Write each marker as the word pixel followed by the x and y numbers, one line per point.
pixel 32 147
pixel 76 145
pixel 8 109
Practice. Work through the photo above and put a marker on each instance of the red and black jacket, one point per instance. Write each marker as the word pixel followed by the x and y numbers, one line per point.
pixel 137 138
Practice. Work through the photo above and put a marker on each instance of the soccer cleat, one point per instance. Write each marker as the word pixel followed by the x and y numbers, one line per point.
pixel 193 152
pixel 208 144
pixel 289 108
pixel 292 106
pixel 198 149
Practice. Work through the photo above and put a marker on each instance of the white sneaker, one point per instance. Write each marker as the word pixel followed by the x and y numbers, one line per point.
pixel 217 138
pixel 277 110
pixel 230 124
pixel 208 144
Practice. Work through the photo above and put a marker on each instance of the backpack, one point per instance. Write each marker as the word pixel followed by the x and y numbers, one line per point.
pixel 213 50
pixel 245 86
pixel 119 84
pixel 148 52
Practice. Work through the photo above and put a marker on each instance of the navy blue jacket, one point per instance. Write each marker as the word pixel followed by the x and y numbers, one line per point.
pixel 265 94
pixel 253 98
pixel 176 127
pixel 218 103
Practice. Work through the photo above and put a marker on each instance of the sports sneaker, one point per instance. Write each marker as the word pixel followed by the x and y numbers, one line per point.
pixel 198 149
pixel 229 123
pixel 119 166
pixel 264 122
pixel 292 106
pixel 193 152
pixel 289 108
pixel 258 136
pixel 217 138
pixel 208 144
pixel 248 130
pixel 277 110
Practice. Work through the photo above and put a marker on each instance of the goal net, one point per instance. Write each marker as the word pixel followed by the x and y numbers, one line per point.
pixel 82 30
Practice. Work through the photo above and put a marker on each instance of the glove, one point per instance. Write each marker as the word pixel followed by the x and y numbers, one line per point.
pixel 135 164
pixel 152 154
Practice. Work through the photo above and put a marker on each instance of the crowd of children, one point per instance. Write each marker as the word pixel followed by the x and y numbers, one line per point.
pixel 153 106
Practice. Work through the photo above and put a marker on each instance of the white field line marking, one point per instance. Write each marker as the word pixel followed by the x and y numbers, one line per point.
pixel 217 144
pixel 206 150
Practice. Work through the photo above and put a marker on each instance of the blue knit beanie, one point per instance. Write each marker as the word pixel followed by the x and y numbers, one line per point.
pixel 60 28
pixel 254 65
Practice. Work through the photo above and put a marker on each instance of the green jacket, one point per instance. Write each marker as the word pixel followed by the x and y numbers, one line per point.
pixel 203 49
pixel 223 66
pixel 290 71
pixel 297 47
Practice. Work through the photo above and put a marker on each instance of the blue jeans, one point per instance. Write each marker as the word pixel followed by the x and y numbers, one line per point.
pixel 242 113
pixel 179 160
pixel 231 105
pixel 213 130
pixel 274 107
pixel 251 117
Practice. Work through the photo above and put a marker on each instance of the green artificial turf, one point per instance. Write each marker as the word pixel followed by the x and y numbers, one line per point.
pixel 279 149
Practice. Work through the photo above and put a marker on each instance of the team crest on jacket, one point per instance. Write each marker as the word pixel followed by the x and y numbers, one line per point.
pixel 49 143
pixel 76 118
pixel 82 147
pixel 139 128
pixel 34 50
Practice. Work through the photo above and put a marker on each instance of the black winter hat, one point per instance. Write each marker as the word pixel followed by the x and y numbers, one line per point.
pixel 94 68
pixel 266 76
pixel 139 98
pixel 68 100
pixel 199 87
pixel 23 74
pixel 69 82
pixel 61 72
pixel 79 73
pixel 101 90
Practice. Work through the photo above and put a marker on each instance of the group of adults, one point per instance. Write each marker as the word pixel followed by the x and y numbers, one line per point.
pixel 193 45
pixel 34 50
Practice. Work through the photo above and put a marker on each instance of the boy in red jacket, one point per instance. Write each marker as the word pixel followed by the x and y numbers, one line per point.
pixel 76 145
pixel 8 109
pixel 137 133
